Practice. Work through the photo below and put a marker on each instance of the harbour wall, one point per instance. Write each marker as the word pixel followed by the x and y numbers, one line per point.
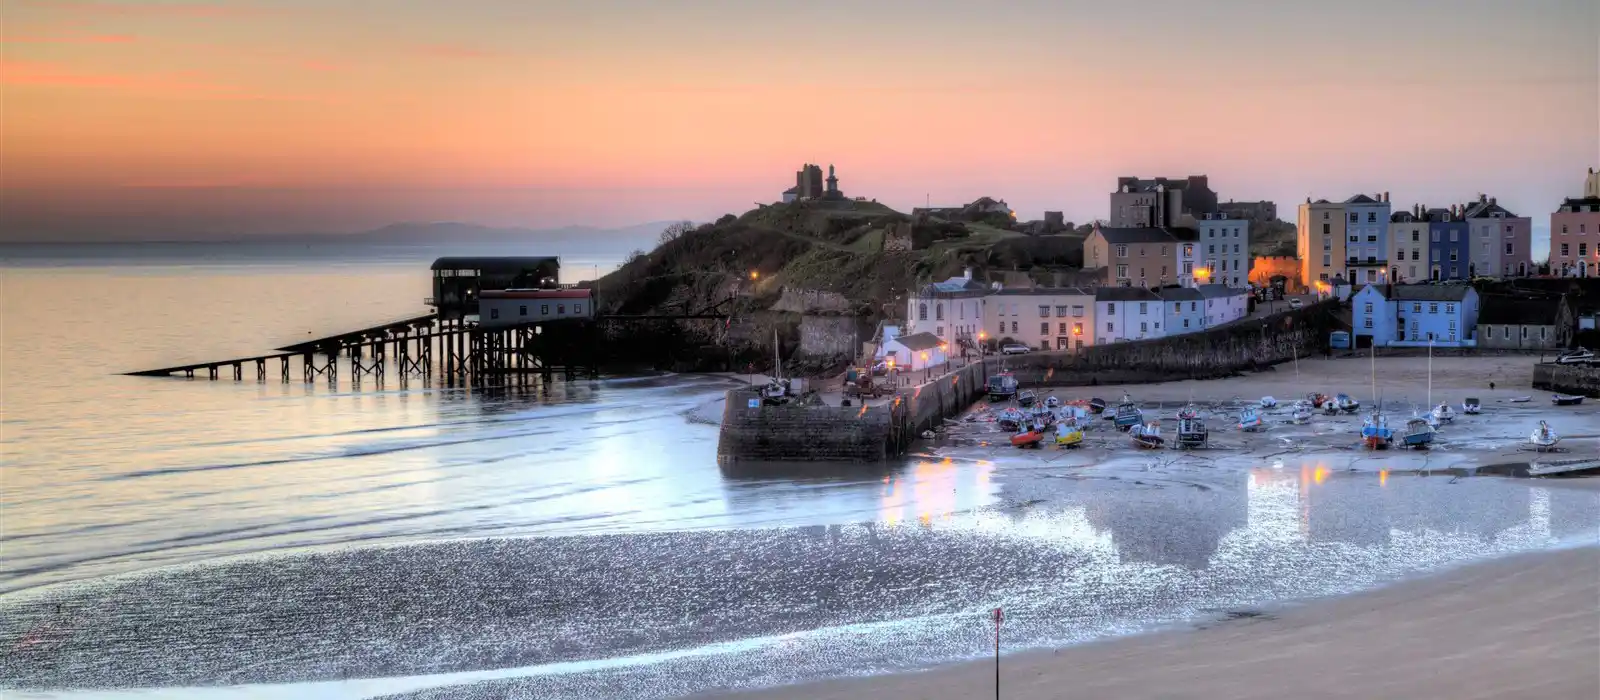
pixel 753 432
pixel 1567 379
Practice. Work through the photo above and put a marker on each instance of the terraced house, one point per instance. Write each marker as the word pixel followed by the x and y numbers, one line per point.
pixel 1135 257
pixel 1575 233
pixel 1502 242
pixel 1408 245
pixel 1046 318
pixel 1366 238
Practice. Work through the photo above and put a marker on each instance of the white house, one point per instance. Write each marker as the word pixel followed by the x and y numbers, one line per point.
pixel 1184 309
pixel 1415 315
pixel 1225 246
pixel 511 307
pixel 1046 318
pixel 917 351
pixel 952 310
pixel 1127 313
pixel 1223 304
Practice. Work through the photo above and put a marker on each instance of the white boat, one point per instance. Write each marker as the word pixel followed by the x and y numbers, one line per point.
pixel 1269 402
pixel 1147 435
pixel 1192 432
pixel 1543 437
pixel 1347 403
pixel 1052 402
pixel 1302 413
pixel 1443 413
pixel 1471 407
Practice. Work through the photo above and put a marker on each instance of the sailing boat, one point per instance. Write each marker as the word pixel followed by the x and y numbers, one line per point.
pixel 1441 413
pixel 1543 438
pixel 1375 432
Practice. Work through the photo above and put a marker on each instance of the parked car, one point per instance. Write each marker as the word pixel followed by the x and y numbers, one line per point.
pixel 1295 303
pixel 1578 356
pixel 1014 349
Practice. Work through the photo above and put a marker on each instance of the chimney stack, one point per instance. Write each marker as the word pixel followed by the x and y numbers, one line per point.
pixel 1386 196
pixel 1491 200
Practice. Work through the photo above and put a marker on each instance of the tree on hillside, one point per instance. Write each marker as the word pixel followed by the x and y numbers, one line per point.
pixel 674 230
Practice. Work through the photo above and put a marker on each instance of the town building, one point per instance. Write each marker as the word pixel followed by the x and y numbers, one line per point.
pixel 976 210
pixel 1225 249
pixel 1408 246
pixel 1223 304
pixel 1320 240
pixel 1524 323
pixel 1414 315
pixel 1184 309
pixel 1127 313
pixel 1161 202
pixel 952 310
pixel 1449 247
pixel 1591 184
pixel 1133 257
pixel 1502 242
pixel 499 308
pixel 1269 271
pixel 1191 264
pixel 809 184
pixel 915 351
pixel 1046 318
pixel 1366 238
pixel 1575 236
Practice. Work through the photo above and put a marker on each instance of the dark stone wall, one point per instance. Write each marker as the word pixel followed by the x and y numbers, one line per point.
pixel 1567 379
pixel 802 433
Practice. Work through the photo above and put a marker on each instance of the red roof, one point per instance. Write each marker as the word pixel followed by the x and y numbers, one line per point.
pixel 535 294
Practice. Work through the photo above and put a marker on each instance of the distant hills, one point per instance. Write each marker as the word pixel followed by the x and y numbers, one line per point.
pixel 449 232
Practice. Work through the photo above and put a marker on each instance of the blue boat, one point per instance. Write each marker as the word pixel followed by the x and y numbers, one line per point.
pixel 1128 415
pixel 1001 387
pixel 1375 432
pixel 1419 433
pixel 1250 420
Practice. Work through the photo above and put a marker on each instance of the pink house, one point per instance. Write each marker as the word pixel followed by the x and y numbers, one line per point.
pixel 1575 238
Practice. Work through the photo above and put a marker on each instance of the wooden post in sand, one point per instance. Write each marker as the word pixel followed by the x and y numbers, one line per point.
pixel 998 616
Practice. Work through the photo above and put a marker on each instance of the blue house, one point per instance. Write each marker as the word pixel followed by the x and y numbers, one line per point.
pixel 1449 250
pixel 1184 308
pixel 1415 315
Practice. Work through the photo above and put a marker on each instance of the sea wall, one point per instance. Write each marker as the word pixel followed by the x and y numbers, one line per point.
pixel 1216 353
pixel 1567 379
pixel 794 433
pixel 927 405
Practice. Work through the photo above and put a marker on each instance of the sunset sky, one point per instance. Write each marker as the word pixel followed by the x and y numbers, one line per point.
pixel 129 119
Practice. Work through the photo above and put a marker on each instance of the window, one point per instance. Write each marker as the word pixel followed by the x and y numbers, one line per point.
pixel 1326 261
pixel 1452 256
pixel 1143 307
pixel 938 312
pixel 1163 270
pixel 1353 218
pixel 577 308
pixel 1372 238
pixel 1142 251
pixel 1061 312
pixel 561 309
pixel 1077 311
pixel 922 312
pixel 1433 307
pixel 1415 235
pixel 494 313
pixel 1583 249
pixel 1449 308
pixel 522 310
pixel 1211 233
pixel 1416 307
pixel 1435 236
pixel 1564 250
pixel 1044 312
pixel 1111 307
pixel 1368 307
pixel 1002 328
pixel 1063 330
pixel 1191 306
pixel 1077 329
pixel 1163 250
pixel 1110 327
pixel 1211 248
pixel 1372 216
pixel 1188 268
pixel 544 310
pixel 1044 328
pixel 1542 330
pixel 1325 230
pixel 1355 238
pixel 1122 271
pixel 1188 250
pixel 1236 247
pixel 1013 326
pixel 1416 253
pixel 1453 236
pixel 1324 217
pixel 1122 251
pixel 1367 323
pixel 1186 323
pixel 1144 327
pixel 938 330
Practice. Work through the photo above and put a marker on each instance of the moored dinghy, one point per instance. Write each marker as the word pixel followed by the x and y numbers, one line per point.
pixel 1192 433
pixel 1097 406
pixel 1011 419
pixel 1543 437
pixel 1025 398
pixel 1128 414
pixel 1250 420
pixel 1346 403
pixel 1147 435
pixel 1443 413
pixel 1419 433
pixel 1566 400
pixel 1269 402
pixel 1052 402
pixel 1471 406
pixel 1302 413
pixel 1001 387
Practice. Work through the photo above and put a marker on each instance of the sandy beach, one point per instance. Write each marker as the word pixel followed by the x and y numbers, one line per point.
pixel 1522 627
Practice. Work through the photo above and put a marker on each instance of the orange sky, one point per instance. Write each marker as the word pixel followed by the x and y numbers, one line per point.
pixel 333 114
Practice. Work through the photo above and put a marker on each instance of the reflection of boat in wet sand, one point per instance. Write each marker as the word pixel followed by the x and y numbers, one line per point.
pixel 1543 437
pixel 1147 436
pixel 1250 420
pixel 1418 433
pixel 1192 433
pixel 1068 433
pixel 1566 400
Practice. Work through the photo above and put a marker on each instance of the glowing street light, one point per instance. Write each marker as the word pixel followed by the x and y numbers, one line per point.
pixel 754 274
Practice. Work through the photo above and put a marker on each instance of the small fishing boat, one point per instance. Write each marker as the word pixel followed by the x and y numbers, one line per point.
pixel 1188 412
pixel 1317 399
pixel 1269 402
pixel 1010 419
pixel 1097 406
pixel 1192 433
pixel 1025 398
pixel 1543 437
pixel 1522 399
pixel 1566 400
pixel 1127 416
pixel 1375 432
pixel 1030 438
pixel 1147 436
pixel 1302 413
pixel 1001 387
pixel 1068 433
pixel 1330 408
pixel 1346 403
pixel 1419 434
pixel 1443 413
pixel 1043 417
pixel 1052 402
pixel 1250 420
pixel 1471 407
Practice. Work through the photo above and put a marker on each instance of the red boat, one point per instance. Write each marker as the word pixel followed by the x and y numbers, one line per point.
pixel 1028 439
pixel 1317 399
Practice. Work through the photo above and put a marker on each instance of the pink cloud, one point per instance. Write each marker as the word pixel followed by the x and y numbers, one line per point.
pixel 454 51
pixel 152 9
pixel 71 39
pixel 185 84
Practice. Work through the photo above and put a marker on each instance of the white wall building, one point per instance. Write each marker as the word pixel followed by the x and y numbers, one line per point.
pixel 916 352
pixel 1225 247
pixel 1044 318
pixel 1127 313
pixel 952 310
pixel 1223 304
pixel 511 307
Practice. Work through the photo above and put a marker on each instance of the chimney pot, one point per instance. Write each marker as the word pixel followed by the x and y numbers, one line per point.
pixel 1491 200
pixel 1385 196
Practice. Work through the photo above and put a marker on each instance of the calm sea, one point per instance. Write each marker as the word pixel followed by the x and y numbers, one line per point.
pixel 579 540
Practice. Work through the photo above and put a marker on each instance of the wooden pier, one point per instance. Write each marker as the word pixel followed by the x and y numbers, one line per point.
pixel 421 347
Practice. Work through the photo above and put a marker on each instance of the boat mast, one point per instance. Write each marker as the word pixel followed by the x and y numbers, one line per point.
pixel 1430 374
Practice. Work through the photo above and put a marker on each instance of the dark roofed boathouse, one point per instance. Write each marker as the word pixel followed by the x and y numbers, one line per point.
pixel 457 281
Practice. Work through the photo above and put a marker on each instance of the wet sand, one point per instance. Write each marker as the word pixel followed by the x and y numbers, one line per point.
pixel 1522 627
